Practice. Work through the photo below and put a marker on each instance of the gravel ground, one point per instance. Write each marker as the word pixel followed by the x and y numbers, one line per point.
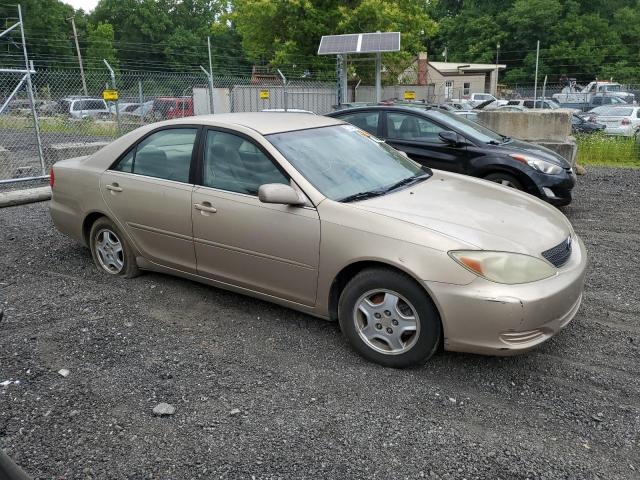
pixel 264 392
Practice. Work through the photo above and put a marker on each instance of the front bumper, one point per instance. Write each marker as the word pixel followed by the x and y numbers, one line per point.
pixel 495 319
pixel 555 189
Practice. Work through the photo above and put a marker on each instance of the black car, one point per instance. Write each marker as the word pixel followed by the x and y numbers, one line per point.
pixel 445 141
pixel 585 125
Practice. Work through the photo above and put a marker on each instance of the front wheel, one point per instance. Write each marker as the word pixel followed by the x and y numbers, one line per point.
pixel 110 250
pixel 505 179
pixel 389 319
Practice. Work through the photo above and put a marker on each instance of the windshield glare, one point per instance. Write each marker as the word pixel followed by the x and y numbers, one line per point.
pixel 467 127
pixel 342 160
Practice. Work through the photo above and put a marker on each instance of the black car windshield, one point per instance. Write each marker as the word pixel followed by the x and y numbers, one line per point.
pixel 470 129
pixel 345 163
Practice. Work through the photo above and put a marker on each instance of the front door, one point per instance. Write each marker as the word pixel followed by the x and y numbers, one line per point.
pixel 272 249
pixel 419 138
pixel 149 195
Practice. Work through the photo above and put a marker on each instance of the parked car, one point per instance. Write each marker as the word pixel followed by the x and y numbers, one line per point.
pixel 512 108
pixel 622 121
pixel 584 125
pixel 84 107
pixel 142 109
pixel 166 108
pixel 477 98
pixel 123 107
pixel 547 103
pixel 319 216
pixel 449 142
pixel 594 102
pixel 468 114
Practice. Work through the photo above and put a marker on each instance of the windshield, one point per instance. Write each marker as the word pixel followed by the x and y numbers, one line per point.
pixel 343 161
pixel 616 112
pixel 612 88
pixel 467 127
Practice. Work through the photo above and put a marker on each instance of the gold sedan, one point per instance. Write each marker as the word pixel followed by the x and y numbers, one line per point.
pixel 317 215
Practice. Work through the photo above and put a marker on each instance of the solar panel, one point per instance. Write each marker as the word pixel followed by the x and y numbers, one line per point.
pixel 380 42
pixel 359 43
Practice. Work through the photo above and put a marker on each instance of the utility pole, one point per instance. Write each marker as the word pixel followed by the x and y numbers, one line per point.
pixel 535 84
pixel 497 69
pixel 75 36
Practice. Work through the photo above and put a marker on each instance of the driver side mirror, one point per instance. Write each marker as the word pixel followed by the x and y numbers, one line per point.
pixel 451 138
pixel 280 193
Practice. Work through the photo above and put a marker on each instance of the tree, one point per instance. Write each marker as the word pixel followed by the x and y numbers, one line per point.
pixel 100 45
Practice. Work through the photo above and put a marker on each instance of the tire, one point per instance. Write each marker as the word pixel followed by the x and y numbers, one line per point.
pixel 505 179
pixel 116 256
pixel 370 294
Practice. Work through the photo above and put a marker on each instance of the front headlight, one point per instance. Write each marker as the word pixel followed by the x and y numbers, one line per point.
pixel 537 164
pixel 503 267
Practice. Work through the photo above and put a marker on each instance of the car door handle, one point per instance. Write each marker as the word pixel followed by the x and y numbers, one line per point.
pixel 114 187
pixel 205 207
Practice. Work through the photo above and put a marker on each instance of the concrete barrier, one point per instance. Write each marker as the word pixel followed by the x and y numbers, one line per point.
pixel 20 197
pixel 547 128
pixel 62 151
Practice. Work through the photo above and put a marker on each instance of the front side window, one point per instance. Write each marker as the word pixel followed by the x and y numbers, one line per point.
pixel 165 154
pixel 235 164
pixel 367 121
pixel 342 161
pixel 410 127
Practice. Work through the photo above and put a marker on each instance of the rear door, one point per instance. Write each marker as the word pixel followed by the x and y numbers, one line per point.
pixel 419 138
pixel 148 192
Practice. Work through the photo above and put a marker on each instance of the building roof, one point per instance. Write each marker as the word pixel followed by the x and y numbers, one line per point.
pixel 453 67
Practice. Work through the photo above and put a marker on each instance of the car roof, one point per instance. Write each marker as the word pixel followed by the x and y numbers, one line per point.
pixel 264 123
pixel 405 108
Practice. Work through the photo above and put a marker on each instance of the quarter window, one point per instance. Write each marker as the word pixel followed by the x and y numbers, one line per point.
pixel 234 164
pixel 367 121
pixel 411 127
pixel 165 154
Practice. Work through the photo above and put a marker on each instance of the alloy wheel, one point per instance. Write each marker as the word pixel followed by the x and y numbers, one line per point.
pixel 109 251
pixel 386 321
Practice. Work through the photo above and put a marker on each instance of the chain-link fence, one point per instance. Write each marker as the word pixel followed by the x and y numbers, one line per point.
pixel 74 119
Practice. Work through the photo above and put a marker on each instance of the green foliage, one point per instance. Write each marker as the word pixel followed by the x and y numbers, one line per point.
pixel 578 39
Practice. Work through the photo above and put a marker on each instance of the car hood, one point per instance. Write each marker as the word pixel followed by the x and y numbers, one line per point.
pixel 518 146
pixel 477 212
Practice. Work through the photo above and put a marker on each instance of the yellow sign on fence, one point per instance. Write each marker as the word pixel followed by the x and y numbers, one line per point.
pixel 264 94
pixel 110 95
pixel 409 95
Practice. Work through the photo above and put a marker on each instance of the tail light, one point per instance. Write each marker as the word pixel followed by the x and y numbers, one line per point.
pixel 52 178
pixel 626 121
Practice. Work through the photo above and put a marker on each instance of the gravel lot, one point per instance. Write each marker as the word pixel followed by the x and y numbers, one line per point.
pixel 308 406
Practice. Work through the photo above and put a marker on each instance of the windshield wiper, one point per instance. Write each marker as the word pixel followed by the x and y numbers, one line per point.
pixel 505 139
pixel 494 142
pixel 362 196
pixel 406 181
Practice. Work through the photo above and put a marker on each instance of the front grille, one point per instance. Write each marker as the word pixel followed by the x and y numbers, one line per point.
pixel 559 254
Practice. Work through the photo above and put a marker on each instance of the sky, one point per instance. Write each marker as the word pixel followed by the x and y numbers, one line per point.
pixel 86 5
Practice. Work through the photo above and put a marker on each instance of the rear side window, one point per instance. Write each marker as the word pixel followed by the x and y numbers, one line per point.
pixel 367 121
pixel 89 105
pixel 165 154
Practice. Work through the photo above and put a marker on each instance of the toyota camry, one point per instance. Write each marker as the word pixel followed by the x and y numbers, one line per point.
pixel 317 215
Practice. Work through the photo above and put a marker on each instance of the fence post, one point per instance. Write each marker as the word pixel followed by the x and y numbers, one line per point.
pixel 36 124
pixel 210 79
pixel 141 99
pixel 113 81
pixel 284 89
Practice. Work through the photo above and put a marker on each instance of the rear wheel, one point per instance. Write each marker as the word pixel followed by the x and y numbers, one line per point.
pixel 111 251
pixel 388 318
pixel 505 179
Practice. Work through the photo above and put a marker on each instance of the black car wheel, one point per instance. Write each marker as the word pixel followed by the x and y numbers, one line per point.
pixel 505 179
